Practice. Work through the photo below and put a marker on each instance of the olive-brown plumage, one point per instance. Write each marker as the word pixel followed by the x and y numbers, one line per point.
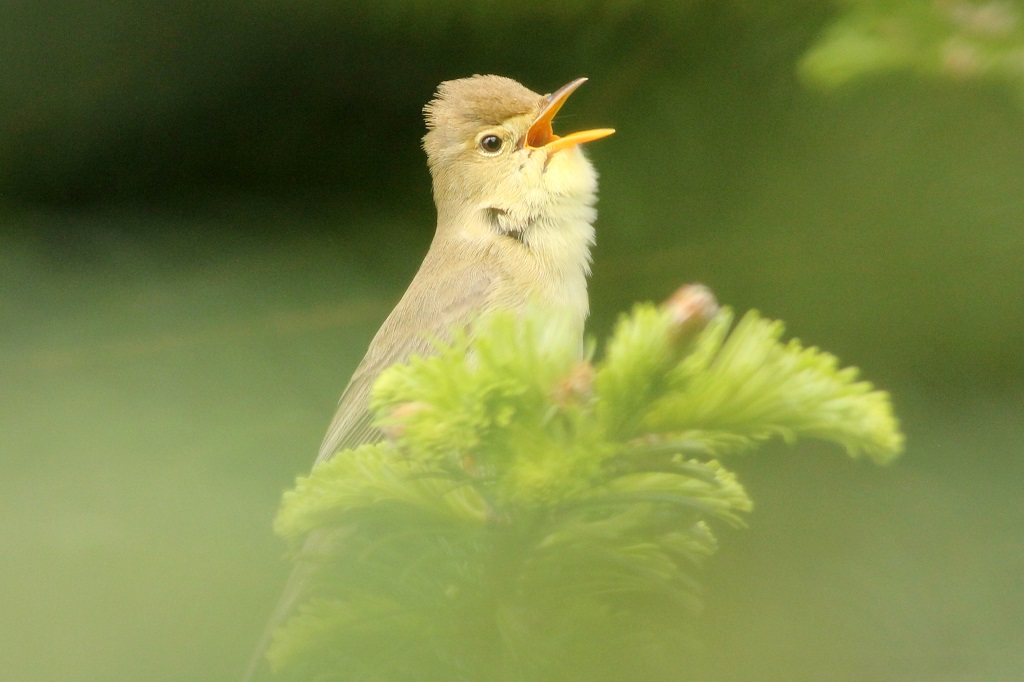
pixel 514 227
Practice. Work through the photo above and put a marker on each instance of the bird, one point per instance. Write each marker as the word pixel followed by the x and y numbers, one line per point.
pixel 515 228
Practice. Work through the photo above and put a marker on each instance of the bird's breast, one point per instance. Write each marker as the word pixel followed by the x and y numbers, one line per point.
pixel 547 264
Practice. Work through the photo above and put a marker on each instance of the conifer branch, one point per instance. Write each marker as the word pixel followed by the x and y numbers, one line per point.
pixel 523 492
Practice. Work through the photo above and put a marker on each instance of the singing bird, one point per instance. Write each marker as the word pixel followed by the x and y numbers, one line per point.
pixel 515 214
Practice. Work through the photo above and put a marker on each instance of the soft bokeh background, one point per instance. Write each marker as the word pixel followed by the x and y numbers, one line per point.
pixel 206 209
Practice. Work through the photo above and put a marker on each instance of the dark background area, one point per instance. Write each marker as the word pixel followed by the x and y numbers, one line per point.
pixel 207 209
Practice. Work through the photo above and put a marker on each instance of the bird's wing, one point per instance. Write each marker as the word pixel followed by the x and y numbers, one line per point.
pixel 435 304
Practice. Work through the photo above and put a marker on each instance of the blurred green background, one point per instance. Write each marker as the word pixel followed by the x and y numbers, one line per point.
pixel 208 208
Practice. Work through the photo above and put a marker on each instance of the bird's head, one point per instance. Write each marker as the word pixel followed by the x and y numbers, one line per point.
pixel 492 151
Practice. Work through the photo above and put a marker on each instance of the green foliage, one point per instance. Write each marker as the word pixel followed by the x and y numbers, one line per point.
pixel 960 39
pixel 530 510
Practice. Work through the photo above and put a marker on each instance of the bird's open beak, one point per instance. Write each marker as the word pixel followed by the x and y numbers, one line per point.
pixel 540 135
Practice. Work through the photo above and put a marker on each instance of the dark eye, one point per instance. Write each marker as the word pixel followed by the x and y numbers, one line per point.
pixel 491 143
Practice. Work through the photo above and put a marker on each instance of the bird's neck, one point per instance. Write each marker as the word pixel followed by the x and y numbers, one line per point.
pixel 554 245
pixel 538 252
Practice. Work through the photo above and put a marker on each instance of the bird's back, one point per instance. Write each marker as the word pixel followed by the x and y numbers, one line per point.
pixel 440 300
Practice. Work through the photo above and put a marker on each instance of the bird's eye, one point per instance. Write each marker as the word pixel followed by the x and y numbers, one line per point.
pixel 491 144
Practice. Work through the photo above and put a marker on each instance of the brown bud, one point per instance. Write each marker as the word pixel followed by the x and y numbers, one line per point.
pixel 576 387
pixel 691 307
pixel 394 427
pixel 469 465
